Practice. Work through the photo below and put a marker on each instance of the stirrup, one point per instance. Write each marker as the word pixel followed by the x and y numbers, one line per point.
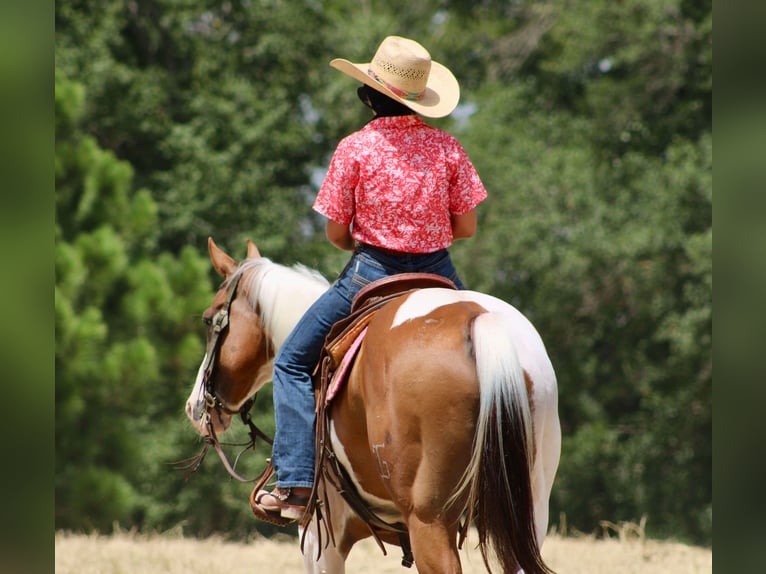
pixel 291 506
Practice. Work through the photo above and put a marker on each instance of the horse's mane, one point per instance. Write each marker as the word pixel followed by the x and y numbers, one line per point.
pixel 272 286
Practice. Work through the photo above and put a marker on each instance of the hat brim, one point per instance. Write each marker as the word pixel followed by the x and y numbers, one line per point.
pixel 440 98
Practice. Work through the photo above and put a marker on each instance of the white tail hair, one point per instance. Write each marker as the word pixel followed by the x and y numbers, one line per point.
pixel 501 385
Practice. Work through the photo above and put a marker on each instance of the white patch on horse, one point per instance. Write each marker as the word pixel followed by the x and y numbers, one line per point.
pixel 385 509
pixel 527 341
pixel 196 402
pixel 421 303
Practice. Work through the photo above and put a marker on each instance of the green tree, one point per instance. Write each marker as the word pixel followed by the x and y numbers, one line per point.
pixel 208 102
pixel 124 317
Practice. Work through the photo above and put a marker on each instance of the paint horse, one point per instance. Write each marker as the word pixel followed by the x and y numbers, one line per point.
pixel 449 416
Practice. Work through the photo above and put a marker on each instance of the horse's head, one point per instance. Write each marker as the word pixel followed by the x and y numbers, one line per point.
pixel 239 351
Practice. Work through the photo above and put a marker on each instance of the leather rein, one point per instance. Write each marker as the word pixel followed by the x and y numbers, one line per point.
pixel 213 405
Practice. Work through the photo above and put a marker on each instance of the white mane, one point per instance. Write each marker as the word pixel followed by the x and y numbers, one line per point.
pixel 281 294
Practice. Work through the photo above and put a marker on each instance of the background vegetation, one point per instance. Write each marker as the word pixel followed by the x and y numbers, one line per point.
pixel 589 123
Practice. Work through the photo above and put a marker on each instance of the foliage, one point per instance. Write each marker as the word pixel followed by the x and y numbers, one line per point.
pixel 589 124
pixel 124 317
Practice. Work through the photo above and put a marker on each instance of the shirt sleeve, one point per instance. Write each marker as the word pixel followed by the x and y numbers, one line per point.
pixel 335 199
pixel 466 189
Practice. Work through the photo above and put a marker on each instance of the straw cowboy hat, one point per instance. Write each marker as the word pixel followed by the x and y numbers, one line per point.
pixel 403 70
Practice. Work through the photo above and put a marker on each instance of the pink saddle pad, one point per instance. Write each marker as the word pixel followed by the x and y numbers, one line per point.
pixel 341 373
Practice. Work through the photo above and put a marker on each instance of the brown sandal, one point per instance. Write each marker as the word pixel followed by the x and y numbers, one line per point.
pixel 285 508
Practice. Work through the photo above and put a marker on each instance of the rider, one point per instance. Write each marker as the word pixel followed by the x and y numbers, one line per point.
pixel 397 193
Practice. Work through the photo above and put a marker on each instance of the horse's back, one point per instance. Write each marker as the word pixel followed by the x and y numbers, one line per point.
pixel 530 349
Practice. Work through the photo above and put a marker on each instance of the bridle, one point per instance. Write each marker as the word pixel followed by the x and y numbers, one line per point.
pixel 219 323
pixel 213 403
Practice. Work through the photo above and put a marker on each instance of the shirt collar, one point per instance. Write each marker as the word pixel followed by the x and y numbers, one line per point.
pixel 395 122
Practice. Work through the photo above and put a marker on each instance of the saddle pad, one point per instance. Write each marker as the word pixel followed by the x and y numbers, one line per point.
pixel 341 373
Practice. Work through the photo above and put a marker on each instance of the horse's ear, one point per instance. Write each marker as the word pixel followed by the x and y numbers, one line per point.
pixel 252 250
pixel 222 263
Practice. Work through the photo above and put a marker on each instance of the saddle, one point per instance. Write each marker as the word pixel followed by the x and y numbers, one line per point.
pixel 329 376
pixel 368 301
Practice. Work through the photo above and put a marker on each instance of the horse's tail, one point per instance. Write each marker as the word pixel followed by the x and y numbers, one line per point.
pixel 497 481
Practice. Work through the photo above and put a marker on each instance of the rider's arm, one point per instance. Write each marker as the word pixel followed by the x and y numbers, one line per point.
pixel 339 235
pixel 464 225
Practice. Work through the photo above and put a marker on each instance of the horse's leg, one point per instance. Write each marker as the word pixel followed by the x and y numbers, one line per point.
pixel 432 524
pixel 347 530
pixel 434 547
pixel 439 459
pixel 331 561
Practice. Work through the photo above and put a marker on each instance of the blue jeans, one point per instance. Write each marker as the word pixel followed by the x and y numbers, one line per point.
pixel 293 450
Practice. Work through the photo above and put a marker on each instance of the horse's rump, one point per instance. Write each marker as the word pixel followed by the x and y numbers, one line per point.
pixel 409 415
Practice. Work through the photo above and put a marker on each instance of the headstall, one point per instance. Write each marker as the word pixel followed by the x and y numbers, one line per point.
pixel 213 404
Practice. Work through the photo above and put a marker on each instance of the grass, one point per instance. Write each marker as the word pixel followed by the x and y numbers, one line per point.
pixel 622 549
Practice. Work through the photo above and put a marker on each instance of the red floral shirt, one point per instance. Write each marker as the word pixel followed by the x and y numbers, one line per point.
pixel 398 180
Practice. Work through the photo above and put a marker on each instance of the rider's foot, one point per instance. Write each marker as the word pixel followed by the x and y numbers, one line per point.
pixel 287 503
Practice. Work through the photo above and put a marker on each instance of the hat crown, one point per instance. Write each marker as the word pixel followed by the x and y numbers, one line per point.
pixel 403 64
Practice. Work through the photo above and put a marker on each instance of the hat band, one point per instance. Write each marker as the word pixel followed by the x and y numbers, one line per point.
pixel 411 96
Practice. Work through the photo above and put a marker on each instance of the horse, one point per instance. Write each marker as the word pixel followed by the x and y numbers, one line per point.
pixel 449 415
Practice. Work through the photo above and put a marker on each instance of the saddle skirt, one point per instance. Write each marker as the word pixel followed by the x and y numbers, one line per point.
pixel 341 373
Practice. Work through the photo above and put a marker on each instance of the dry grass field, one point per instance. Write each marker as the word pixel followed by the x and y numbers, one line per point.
pixel 126 553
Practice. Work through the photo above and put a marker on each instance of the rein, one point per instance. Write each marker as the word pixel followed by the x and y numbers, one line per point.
pixel 219 324
pixel 254 433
